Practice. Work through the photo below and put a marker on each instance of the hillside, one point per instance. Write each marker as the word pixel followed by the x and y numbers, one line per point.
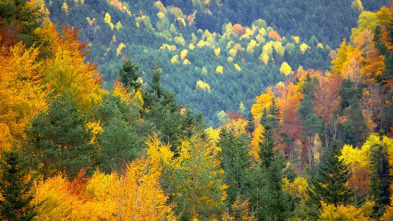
pixel 191 40
pixel 317 145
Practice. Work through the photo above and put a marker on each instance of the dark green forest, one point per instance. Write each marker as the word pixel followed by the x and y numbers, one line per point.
pixel 146 38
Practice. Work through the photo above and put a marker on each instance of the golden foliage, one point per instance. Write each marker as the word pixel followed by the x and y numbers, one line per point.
pixel 285 69
pixel 341 212
pixel 118 50
pixel 220 70
pixel 203 86
pixel 237 67
pixel 22 91
pixel 304 47
pixel 67 71
pixel 183 54
pixel 107 19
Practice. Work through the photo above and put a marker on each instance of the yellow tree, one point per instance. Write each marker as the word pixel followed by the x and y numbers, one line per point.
pixel 22 94
pixel 198 189
pixel 66 70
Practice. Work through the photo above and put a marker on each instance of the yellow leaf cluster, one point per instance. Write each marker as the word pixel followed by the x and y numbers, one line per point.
pixel 217 52
pixel 341 212
pixel 264 57
pixel 297 188
pixel 186 62
pixel 108 19
pixel 304 47
pixel 160 15
pixel 22 92
pixel 261 102
pixel 65 7
pixel 183 54
pixel 237 67
pixel 285 69
pixel 251 46
pixel 136 195
pixel 118 50
pixel 220 70
pixel 175 59
pixel 203 86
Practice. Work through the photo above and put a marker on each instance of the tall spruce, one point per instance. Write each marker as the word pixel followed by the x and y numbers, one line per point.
pixel 235 162
pixel 329 183
pixel 60 140
pixel 270 202
pixel 129 75
pixel 380 177
pixel 15 204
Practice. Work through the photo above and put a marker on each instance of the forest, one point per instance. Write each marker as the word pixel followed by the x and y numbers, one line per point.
pixel 237 49
pixel 98 129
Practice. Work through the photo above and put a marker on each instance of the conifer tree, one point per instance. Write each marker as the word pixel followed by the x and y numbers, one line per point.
pixel 235 162
pixel 60 139
pixel 329 184
pixel 250 124
pixel 380 177
pixel 15 191
pixel 269 201
pixel 129 75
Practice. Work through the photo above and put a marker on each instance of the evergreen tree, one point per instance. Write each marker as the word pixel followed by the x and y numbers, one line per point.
pixel 269 201
pixel 21 19
pixel 250 124
pixel 15 203
pixel 380 178
pixel 235 162
pixel 312 122
pixel 329 184
pixel 266 151
pixel 129 75
pixel 60 140
pixel 355 128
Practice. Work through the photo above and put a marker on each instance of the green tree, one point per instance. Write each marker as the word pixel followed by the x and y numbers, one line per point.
pixel 276 204
pixel 250 124
pixel 354 129
pixel 235 162
pixel 21 18
pixel 129 75
pixel 15 191
pixel 380 177
pixel 60 139
pixel 329 183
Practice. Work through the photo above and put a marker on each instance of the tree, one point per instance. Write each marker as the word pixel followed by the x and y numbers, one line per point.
pixel 198 181
pixel 354 128
pixel 329 184
pixel 60 140
pixel 380 177
pixel 235 162
pixel 269 201
pixel 15 191
pixel 22 17
pixel 129 75
pixel 250 124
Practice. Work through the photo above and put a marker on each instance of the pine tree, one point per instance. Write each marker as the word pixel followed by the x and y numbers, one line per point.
pixel 129 75
pixel 250 124
pixel 380 178
pixel 329 184
pixel 16 192
pixel 355 128
pixel 60 140
pixel 235 162
pixel 269 201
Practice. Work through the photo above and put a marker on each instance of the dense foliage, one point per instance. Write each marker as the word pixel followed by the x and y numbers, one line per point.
pixel 214 54
pixel 315 146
